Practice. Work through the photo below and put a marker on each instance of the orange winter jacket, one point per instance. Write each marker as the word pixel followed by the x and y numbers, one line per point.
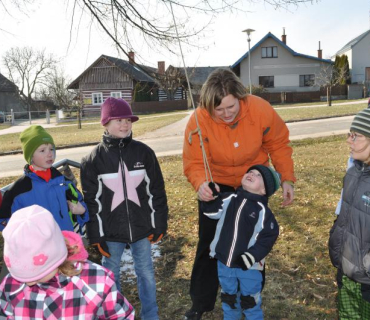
pixel 256 135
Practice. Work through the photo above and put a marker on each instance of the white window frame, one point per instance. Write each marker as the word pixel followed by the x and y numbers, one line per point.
pixel 116 94
pixel 269 52
pixel 97 98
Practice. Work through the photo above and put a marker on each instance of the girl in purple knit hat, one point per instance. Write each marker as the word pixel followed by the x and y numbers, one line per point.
pixel 124 191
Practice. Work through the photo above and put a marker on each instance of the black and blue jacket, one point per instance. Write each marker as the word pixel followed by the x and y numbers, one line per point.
pixel 246 224
pixel 30 189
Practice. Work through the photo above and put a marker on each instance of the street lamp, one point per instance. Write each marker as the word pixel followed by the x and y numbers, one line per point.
pixel 249 31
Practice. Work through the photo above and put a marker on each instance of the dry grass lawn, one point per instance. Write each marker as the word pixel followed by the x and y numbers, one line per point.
pixel 300 282
pixel 69 135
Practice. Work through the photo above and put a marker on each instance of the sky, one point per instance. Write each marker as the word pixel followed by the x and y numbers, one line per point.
pixel 47 24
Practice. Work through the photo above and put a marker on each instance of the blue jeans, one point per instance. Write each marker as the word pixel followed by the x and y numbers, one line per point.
pixel 250 284
pixel 141 254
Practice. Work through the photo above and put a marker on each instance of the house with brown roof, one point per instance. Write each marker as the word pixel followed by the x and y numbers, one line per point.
pixel 112 77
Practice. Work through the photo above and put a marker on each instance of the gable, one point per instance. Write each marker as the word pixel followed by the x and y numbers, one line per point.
pixel 107 70
pixel 6 85
pixel 270 39
pixel 352 43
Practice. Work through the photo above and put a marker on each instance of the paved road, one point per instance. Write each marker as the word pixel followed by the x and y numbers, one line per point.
pixel 169 140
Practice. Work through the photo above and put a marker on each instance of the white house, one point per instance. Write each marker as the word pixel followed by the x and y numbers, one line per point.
pixel 358 53
pixel 279 68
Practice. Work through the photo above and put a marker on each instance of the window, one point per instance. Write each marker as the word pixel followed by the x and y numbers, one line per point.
pixel 266 81
pixel 306 80
pixel 97 98
pixel 116 94
pixel 269 52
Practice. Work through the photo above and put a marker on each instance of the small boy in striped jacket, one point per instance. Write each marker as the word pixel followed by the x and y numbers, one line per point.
pixel 245 234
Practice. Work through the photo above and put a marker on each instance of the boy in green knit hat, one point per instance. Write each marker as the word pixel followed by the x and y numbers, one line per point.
pixel 43 185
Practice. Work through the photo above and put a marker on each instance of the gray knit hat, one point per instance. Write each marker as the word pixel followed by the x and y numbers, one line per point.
pixel 270 177
pixel 361 123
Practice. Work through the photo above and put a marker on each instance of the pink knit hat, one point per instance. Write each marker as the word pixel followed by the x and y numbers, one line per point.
pixel 34 245
pixel 76 249
pixel 113 108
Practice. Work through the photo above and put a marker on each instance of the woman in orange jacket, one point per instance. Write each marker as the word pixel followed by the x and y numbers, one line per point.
pixel 238 131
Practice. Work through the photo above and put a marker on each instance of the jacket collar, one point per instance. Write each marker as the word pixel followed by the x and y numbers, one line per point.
pixel 110 141
pixel 252 196
pixel 54 172
pixel 362 166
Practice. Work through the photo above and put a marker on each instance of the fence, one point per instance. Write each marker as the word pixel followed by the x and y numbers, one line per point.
pixel 46 117
pixel 337 92
pixel 93 114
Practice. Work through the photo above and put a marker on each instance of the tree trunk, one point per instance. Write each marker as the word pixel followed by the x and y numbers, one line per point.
pixel 79 119
pixel 328 93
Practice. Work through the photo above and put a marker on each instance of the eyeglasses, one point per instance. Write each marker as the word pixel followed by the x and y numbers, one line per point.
pixel 353 136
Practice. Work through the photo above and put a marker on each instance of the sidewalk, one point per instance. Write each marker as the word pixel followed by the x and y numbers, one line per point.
pixel 160 132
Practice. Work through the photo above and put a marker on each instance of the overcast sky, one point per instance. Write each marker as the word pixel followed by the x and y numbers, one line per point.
pixel 47 25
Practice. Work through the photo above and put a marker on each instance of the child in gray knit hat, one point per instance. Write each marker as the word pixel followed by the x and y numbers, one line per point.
pixel 349 240
pixel 245 234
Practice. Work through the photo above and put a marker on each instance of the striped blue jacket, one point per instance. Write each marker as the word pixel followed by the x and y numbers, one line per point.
pixel 246 224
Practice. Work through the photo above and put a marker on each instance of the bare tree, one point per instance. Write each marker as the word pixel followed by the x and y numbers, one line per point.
pixel 328 77
pixel 127 22
pixel 28 69
pixel 171 80
pixel 56 89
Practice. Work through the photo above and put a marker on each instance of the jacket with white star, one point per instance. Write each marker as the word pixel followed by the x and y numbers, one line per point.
pixel 246 224
pixel 124 191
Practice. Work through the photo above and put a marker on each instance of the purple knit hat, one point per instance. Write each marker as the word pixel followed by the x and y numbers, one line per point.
pixel 113 108
pixel 34 245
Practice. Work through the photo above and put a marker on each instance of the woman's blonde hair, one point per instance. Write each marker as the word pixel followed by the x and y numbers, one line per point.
pixel 219 84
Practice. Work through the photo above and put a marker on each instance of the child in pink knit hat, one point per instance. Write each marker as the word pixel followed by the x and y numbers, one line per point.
pixel 50 276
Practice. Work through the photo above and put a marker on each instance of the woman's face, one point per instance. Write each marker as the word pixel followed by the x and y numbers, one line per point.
pixel 228 109
pixel 359 146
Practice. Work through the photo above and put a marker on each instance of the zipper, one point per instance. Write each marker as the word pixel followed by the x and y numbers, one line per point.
pixel 235 236
pixel 122 164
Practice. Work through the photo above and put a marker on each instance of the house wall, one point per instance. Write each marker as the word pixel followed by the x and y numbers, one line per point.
pixel 158 106
pixel 106 93
pixel 360 59
pixel 9 101
pixel 105 78
pixel 286 68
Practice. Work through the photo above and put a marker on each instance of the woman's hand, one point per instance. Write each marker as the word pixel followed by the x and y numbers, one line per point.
pixel 76 208
pixel 205 193
pixel 288 194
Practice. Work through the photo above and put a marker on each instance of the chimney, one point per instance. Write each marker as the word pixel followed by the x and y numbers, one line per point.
pixel 131 57
pixel 283 37
pixel 161 67
pixel 319 52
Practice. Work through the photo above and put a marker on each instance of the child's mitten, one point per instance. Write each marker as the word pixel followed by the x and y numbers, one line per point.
pixel 248 260
pixel 75 247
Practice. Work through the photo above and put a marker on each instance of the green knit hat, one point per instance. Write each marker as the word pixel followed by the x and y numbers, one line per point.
pixel 32 138
pixel 271 178
pixel 361 123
